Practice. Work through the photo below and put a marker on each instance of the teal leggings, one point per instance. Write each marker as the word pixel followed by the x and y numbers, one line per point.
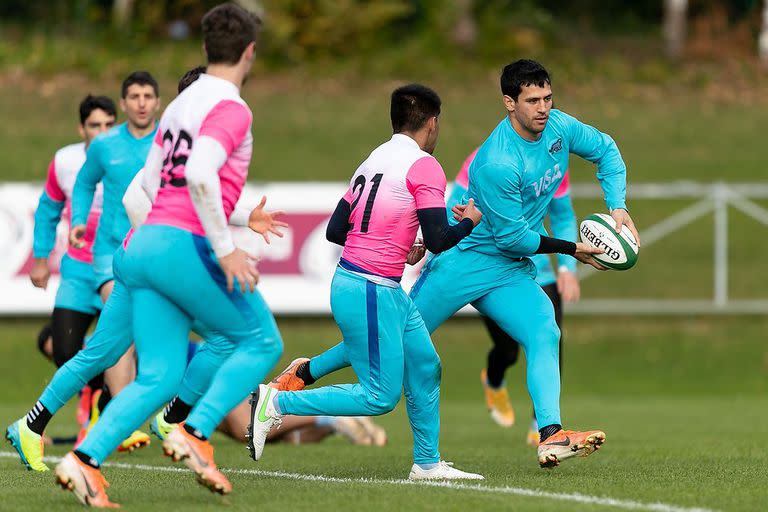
pixel 173 278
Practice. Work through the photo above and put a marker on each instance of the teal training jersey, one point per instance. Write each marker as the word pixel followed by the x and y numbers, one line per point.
pixel 113 158
pixel 513 180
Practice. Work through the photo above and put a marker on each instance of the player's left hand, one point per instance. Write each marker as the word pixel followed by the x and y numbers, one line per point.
pixel 418 250
pixel 264 222
pixel 77 236
pixel 568 286
pixel 40 273
pixel 622 218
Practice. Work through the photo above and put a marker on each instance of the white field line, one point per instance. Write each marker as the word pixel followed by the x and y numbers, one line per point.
pixel 517 491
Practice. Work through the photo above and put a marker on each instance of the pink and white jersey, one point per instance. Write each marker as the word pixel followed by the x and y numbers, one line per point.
pixel 397 179
pixel 62 174
pixel 462 178
pixel 209 107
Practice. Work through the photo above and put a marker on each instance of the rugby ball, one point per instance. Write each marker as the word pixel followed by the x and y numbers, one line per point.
pixel 621 250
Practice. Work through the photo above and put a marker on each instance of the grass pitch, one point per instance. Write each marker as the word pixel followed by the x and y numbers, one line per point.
pixel 682 400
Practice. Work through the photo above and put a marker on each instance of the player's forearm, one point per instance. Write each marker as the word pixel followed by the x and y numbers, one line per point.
pixel 549 245
pixel 82 199
pixel 204 184
pixel 47 217
pixel 240 216
pixel 150 179
pixel 136 202
pixel 439 236
pixel 338 224
pixel 612 174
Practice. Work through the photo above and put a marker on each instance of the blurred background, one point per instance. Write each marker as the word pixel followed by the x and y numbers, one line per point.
pixel 678 342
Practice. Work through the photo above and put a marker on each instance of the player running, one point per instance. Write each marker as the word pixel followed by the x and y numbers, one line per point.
pixel 182 265
pixel 559 286
pixel 514 176
pixel 397 188
pixel 113 160
pixel 76 303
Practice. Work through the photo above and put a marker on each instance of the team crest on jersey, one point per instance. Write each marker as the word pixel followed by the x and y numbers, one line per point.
pixel 556 146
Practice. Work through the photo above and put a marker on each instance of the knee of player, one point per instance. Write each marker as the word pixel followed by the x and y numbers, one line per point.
pixel 385 403
pixel 161 376
pixel 549 335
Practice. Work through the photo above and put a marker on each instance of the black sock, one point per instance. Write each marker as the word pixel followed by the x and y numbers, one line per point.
pixel 549 430
pixel 176 411
pixel 194 432
pixel 86 459
pixel 104 399
pixel 38 418
pixel 304 374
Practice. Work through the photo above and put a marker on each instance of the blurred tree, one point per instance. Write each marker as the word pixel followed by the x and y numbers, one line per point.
pixel 465 30
pixel 305 28
pixel 675 13
pixel 122 12
pixel 763 39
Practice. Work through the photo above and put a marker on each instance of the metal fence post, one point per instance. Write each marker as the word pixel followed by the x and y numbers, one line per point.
pixel 721 193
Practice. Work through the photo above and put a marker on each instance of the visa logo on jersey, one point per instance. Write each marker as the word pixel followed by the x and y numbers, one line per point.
pixel 549 178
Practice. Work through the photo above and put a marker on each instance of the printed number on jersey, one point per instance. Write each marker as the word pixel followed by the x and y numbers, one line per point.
pixel 176 154
pixel 358 189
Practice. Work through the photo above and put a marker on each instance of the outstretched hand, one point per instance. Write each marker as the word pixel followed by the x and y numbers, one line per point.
pixel 264 222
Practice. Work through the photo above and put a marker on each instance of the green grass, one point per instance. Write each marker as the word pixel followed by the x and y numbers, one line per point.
pixel 682 400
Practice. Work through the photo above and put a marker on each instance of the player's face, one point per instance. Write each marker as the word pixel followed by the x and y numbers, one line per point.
pixel 140 105
pixel 531 110
pixel 434 132
pixel 97 122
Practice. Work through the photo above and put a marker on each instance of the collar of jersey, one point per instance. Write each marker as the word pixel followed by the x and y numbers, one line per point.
pixel 508 124
pixel 401 137
pixel 225 83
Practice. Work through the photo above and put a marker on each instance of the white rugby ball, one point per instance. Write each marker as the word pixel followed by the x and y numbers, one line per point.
pixel 621 250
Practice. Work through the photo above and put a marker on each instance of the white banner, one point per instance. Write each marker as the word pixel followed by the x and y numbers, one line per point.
pixel 296 270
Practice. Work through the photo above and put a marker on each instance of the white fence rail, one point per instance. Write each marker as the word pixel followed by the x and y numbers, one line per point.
pixel 716 199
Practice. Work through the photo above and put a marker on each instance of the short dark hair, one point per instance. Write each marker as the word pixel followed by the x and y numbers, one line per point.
pixel 412 106
pixel 228 29
pixel 140 78
pixel 91 103
pixel 522 73
pixel 190 76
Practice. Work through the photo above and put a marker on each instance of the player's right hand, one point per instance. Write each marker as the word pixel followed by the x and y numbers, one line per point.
pixel 417 252
pixel 584 254
pixel 76 236
pixel 40 273
pixel 241 266
pixel 467 211
pixel 568 286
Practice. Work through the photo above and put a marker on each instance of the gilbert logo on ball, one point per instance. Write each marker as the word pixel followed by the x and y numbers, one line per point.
pixel 621 251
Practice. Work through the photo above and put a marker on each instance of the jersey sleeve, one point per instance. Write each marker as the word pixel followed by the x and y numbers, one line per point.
pixel 426 182
pixel 48 215
pixel 599 148
pixel 227 123
pixel 500 199
pixel 153 167
pixel 89 176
